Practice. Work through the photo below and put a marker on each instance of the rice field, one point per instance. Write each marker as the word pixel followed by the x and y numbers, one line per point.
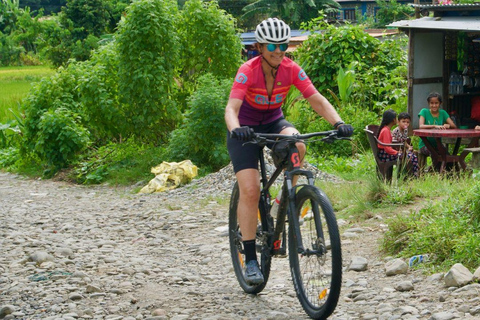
pixel 15 82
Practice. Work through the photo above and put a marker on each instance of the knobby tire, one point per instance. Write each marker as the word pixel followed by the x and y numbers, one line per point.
pixel 236 248
pixel 317 277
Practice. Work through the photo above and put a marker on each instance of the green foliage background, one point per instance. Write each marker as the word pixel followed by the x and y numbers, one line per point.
pixel 203 135
pixel 148 54
pixel 130 89
pixel 375 79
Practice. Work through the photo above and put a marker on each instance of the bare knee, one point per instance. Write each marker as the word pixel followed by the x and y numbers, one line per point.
pixel 250 193
pixel 302 149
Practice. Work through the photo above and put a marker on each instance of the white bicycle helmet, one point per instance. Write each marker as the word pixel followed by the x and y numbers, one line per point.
pixel 272 30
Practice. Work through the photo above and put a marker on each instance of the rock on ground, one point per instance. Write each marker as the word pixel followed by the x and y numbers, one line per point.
pixel 76 252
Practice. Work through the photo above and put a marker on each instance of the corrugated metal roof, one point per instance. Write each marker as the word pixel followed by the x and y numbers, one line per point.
pixel 440 23
pixel 298 36
pixel 248 38
pixel 459 6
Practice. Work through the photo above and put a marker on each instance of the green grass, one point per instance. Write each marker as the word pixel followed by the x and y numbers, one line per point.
pixel 15 83
pixel 435 215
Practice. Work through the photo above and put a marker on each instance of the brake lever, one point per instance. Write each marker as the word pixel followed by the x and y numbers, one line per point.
pixel 328 140
pixel 261 141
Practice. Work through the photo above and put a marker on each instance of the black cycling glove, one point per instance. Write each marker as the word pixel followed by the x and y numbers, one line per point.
pixel 242 133
pixel 344 130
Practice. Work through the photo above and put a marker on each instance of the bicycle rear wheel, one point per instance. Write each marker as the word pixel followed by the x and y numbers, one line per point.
pixel 317 272
pixel 236 248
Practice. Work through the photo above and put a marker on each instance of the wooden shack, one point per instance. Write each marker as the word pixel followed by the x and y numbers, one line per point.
pixel 444 44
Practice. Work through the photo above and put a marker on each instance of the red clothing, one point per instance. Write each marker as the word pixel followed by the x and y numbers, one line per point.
pixel 385 136
pixel 250 86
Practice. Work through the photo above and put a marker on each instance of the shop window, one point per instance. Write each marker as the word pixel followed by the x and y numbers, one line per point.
pixel 333 15
pixel 349 14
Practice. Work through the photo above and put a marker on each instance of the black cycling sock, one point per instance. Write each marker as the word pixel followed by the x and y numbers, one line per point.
pixel 250 250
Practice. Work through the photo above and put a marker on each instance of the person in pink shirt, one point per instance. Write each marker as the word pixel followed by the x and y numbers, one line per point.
pixel 387 153
pixel 254 105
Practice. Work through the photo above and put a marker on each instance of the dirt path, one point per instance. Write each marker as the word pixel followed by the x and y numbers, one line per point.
pixel 75 252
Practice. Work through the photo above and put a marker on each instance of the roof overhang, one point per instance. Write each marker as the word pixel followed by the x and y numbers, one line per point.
pixel 440 23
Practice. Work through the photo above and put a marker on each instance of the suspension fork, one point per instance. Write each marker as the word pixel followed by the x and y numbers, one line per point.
pixel 291 191
pixel 294 169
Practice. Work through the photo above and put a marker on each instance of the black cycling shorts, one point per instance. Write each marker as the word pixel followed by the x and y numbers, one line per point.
pixel 247 156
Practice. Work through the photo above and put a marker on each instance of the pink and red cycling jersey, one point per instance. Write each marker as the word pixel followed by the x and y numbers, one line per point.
pixel 250 86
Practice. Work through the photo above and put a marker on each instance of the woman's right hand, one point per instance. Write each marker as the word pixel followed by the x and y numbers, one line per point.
pixel 244 133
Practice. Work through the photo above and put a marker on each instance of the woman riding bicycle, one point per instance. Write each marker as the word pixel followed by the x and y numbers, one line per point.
pixel 257 95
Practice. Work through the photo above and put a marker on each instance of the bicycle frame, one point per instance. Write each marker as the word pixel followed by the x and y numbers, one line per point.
pixel 287 203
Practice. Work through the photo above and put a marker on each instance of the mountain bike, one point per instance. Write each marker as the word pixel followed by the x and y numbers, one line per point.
pixel 315 255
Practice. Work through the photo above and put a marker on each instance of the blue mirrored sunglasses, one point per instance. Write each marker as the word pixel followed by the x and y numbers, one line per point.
pixel 271 47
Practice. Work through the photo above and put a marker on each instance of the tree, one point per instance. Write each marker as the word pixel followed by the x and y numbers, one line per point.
pixel 88 17
pixel 293 12
pixel 208 43
pixel 148 53
pixel 9 12
pixel 235 8
pixel 201 137
pixel 49 6
pixel 392 11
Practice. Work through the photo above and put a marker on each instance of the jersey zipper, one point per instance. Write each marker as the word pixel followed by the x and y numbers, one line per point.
pixel 269 95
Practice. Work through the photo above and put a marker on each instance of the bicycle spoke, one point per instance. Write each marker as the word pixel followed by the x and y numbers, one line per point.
pixel 237 251
pixel 317 286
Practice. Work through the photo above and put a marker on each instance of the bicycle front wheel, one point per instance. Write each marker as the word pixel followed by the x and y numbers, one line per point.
pixel 317 271
pixel 237 251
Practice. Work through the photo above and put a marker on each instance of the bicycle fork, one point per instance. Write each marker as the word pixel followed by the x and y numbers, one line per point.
pixel 290 213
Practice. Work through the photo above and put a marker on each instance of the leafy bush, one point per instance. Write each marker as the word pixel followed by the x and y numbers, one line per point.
pixel 391 11
pixel 324 52
pixel 202 137
pixel 9 51
pixel 98 88
pixel 359 74
pixel 51 93
pixel 87 17
pixel 9 133
pixel 82 49
pixel 209 43
pixel 8 156
pixel 55 44
pixel 305 119
pixel 60 137
pixel 148 54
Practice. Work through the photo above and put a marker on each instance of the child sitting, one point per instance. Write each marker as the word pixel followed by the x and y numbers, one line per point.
pixel 386 153
pixel 400 133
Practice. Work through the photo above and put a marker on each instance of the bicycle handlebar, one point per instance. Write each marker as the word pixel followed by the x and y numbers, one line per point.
pixel 329 136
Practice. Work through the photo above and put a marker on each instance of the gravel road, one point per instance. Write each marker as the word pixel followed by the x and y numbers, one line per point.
pixel 77 252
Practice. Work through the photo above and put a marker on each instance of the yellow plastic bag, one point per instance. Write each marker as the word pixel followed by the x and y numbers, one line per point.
pixel 169 175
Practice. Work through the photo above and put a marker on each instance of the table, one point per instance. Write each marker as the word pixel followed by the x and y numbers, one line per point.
pixel 441 155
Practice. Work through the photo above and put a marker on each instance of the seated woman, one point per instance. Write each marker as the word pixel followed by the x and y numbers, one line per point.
pixel 433 118
pixel 386 153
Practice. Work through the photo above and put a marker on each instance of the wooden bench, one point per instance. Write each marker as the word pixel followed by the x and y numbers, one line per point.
pixel 475 162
